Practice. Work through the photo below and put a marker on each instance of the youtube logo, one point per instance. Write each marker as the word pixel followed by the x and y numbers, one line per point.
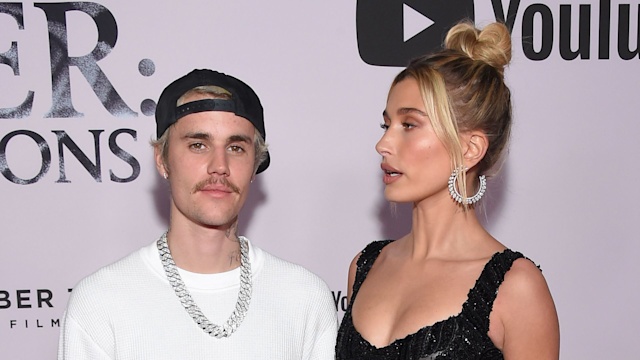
pixel 392 32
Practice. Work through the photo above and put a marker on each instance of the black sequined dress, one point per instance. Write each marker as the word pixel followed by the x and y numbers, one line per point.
pixel 463 336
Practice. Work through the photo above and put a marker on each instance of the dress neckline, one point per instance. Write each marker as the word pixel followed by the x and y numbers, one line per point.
pixel 425 329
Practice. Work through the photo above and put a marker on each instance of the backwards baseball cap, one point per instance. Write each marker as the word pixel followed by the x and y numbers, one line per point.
pixel 243 102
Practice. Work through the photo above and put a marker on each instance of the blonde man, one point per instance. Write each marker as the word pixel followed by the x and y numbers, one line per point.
pixel 201 291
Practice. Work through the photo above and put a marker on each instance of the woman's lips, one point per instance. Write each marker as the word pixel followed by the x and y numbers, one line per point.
pixel 390 174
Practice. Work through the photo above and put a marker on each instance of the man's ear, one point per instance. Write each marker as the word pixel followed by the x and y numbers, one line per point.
pixel 160 165
pixel 474 147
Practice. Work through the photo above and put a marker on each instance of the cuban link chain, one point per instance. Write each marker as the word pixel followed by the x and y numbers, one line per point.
pixel 244 296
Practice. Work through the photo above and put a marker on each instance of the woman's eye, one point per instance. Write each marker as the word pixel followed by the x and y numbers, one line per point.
pixel 408 125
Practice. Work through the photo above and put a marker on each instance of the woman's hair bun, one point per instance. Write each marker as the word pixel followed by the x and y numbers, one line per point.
pixel 491 45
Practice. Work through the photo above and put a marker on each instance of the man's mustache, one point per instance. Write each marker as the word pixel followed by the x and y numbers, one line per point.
pixel 216 180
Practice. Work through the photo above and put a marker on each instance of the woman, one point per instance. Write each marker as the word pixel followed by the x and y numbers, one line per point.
pixel 447 289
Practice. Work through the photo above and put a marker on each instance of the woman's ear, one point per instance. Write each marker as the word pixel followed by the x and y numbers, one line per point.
pixel 474 147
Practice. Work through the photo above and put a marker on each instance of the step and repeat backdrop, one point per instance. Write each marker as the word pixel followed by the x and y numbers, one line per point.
pixel 79 190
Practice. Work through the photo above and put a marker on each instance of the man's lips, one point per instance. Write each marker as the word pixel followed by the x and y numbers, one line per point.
pixel 217 188
pixel 216 191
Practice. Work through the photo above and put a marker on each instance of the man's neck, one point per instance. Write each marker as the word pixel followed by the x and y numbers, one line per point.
pixel 205 250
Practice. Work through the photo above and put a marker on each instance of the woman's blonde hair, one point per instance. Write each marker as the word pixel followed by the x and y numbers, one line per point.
pixel 463 89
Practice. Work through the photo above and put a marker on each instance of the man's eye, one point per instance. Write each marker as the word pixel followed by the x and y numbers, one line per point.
pixel 197 146
pixel 236 148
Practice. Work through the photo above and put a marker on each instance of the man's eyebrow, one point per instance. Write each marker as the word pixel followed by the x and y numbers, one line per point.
pixel 197 135
pixel 240 138
pixel 207 136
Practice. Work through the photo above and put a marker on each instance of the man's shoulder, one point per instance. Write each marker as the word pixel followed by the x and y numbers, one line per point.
pixel 114 274
pixel 292 273
pixel 110 287
pixel 296 286
pixel 276 263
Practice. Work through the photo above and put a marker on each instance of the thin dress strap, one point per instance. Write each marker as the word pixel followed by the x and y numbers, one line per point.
pixel 367 257
pixel 480 300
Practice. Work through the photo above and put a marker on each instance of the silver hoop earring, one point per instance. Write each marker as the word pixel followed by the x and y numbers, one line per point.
pixel 455 194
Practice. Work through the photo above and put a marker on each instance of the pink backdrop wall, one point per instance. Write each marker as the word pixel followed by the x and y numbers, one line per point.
pixel 566 196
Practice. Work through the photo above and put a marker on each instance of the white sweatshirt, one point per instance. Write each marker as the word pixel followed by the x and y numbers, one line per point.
pixel 128 310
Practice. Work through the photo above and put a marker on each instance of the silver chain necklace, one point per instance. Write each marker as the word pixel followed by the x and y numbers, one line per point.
pixel 244 296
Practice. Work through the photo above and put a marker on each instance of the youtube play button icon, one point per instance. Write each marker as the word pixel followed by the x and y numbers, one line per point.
pixel 391 33
pixel 414 22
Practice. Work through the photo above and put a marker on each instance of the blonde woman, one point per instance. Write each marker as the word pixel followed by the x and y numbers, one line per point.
pixel 447 289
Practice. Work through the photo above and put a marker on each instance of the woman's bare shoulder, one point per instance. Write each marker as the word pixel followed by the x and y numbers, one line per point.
pixel 526 311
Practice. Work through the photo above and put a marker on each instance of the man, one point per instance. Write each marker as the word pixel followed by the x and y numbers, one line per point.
pixel 201 291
